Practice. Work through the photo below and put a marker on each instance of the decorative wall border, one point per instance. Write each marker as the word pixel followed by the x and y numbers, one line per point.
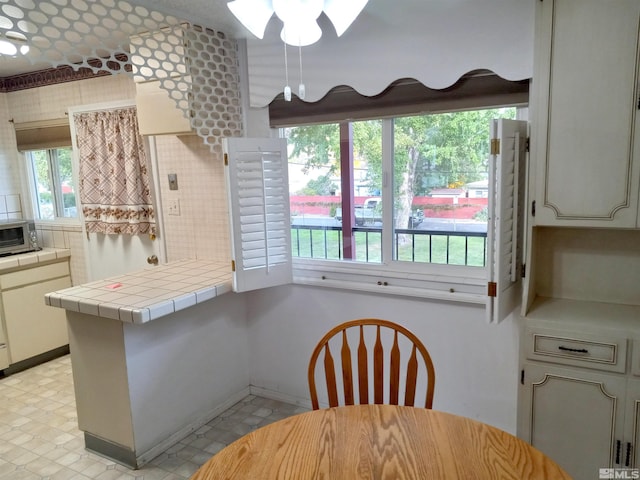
pixel 63 74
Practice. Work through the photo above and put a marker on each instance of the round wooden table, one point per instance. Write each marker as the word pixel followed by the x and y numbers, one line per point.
pixel 379 442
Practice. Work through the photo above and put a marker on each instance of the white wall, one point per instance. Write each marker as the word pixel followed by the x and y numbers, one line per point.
pixel 185 365
pixel 476 363
pixel 434 42
pixel 201 228
pixel 45 103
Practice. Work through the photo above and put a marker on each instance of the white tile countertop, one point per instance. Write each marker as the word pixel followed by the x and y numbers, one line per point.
pixel 148 294
pixel 32 259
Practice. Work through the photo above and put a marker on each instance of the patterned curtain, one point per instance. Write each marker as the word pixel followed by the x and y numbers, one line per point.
pixel 114 177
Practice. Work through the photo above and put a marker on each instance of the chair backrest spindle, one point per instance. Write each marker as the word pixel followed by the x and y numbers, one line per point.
pixel 394 371
pixel 330 375
pixel 347 375
pixel 363 370
pixel 378 369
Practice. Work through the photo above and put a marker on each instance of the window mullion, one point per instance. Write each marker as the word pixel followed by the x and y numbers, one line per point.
pixel 56 186
pixel 388 245
pixel 346 168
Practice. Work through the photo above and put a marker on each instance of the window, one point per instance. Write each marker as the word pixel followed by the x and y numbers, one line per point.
pixel 53 187
pixel 319 168
pixel 426 205
pixel 437 163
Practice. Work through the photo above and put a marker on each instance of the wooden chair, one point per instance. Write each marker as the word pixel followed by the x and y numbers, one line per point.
pixel 394 363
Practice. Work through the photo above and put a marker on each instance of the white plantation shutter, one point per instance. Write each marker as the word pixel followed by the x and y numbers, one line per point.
pixel 258 190
pixel 507 177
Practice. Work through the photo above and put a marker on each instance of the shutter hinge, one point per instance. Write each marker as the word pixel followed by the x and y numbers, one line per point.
pixel 533 208
pixel 528 144
pixel 523 274
pixel 226 159
pixel 233 265
pixel 522 377
pixel 495 146
pixel 492 289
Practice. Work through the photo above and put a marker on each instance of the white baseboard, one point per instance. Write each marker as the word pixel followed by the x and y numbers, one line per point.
pixel 281 397
pixel 192 427
pixel 203 420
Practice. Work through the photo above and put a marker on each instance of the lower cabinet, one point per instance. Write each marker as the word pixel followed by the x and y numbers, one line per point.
pixel 632 425
pixel 579 393
pixel 583 420
pixel 31 326
pixel 4 349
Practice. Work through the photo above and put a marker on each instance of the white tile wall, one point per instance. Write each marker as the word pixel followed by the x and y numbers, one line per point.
pixel 105 89
pixel 46 103
pixel 10 182
pixel 53 101
pixel 10 207
pixel 66 236
pixel 201 231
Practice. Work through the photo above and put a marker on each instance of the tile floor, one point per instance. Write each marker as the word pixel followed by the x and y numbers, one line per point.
pixel 40 440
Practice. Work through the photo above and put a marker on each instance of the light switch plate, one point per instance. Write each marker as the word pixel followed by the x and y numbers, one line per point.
pixel 173 181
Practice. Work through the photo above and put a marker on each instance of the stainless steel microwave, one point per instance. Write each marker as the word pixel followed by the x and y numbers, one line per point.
pixel 17 236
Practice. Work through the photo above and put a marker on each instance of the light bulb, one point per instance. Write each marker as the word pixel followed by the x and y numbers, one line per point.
pixel 342 13
pixel 301 34
pixel 295 11
pixel 7 48
pixel 254 15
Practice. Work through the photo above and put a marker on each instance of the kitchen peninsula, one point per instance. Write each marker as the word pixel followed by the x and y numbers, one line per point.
pixel 155 354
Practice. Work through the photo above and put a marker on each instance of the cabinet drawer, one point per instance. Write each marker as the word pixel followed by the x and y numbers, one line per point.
pixel 597 352
pixel 34 275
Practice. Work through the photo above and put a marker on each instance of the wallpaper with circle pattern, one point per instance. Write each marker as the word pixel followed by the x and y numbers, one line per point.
pixel 196 65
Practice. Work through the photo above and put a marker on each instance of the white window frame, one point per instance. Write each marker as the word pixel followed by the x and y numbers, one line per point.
pixel 426 280
pixel 442 282
pixel 32 185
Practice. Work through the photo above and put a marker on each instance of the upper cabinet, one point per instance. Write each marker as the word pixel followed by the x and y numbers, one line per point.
pixel 188 81
pixel 156 57
pixel 586 146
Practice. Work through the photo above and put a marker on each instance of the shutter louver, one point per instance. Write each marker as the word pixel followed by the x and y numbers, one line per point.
pixel 257 181
pixel 506 209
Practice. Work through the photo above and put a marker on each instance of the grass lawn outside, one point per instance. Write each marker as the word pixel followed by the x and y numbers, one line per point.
pixel 425 248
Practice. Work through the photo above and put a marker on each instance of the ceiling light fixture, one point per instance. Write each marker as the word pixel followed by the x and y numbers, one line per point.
pixel 300 23
pixel 299 17
pixel 14 42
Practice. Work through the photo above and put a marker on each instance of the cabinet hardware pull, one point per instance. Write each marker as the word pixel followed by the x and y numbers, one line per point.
pixel 617 452
pixel 628 455
pixel 573 350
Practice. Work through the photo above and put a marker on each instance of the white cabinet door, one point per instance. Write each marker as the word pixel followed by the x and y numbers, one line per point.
pixel 158 113
pixel 4 349
pixel 32 326
pixel 586 98
pixel 573 416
